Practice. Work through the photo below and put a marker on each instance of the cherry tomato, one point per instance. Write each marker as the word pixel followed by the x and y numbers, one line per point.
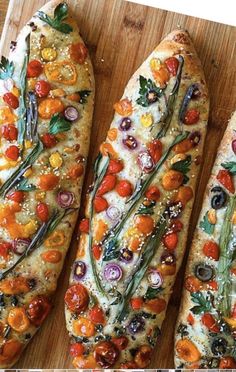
pixel 34 69
pixel 193 284
pixel 191 116
pixel 12 152
pixel 78 53
pixel 155 150
pixel 120 342
pixel 115 166
pixel 16 196
pixel 172 65
pixel 77 298
pixel 42 88
pixel 233 314
pixel 48 181
pixel 106 354
pixel 42 212
pixel 38 310
pixel 143 356
pixel 11 100
pixel 84 225
pixel 10 132
pixel 97 251
pixel 227 362
pixel 152 193
pixel 144 223
pixel 176 226
pixel 96 315
pixel 156 305
pixel 77 349
pixel 170 241
pixel 211 250
pixel 100 204
pixel 49 140
pixel 5 247
pixel 124 188
pixel 108 183
pixel 209 322
pixel 226 179
pixel 136 303
pixel 190 319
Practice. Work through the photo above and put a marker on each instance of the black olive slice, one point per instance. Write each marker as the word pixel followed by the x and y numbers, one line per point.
pixel 219 346
pixel 219 198
pixel 204 272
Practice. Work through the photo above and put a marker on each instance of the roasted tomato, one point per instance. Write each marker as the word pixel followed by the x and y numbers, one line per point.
pixel 121 342
pixel 38 310
pixel 49 140
pixel 42 88
pixel 9 132
pixel 12 152
pixel 34 68
pixel 77 298
pixel 106 354
pixel 16 196
pixel 143 356
pixel 10 350
pixel 11 100
pixel 78 52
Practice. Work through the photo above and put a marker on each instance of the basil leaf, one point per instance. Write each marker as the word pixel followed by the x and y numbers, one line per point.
pixel 230 166
pixel 152 293
pixel 206 226
pixel 182 165
pixel 60 13
pixel 147 86
pixel 23 185
pixel 58 124
pixel 6 68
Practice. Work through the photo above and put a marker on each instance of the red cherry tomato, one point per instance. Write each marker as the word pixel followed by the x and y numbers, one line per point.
pixel 77 349
pixel 176 226
pixel 97 251
pixel 78 53
pixel 49 140
pixel 84 225
pixel 209 322
pixel 96 315
pixel 115 166
pixel 100 204
pixel 12 152
pixel 16 196
pixel 136 303
pixel 226 179
pixel 191 116
pixel 170 241
pixel 42 88
pixel 106 354
pixel 11 100
pixel 5 247
pixel 152 193
pixel 124 188
pixel 211 250
pixel 38 310
pixel 34 69
pixel 77 298
pixel 108 183
pixel 9 132
pixel 42 212
pixel 172 65
pixel 227 362
pixel 120 342
pixel 155 150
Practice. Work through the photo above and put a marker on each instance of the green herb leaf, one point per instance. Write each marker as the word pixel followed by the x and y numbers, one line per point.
pixel 110 250
pixel 60 13
pixel 203 303
pixel 58 124
pixel 6 68
pixel 152 293
pixel 146 209
pixel 183 165
pixel 84 94
pixel 230 166
pixel 146 87
pixel 206 226
pixel 23 185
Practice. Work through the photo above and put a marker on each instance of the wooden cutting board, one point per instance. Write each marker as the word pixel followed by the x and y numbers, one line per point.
pixel 120 35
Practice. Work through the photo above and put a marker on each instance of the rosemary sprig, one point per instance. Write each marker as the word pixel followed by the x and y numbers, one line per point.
pixel 225 260
pixel 165 123
pixel 45 229
pixel 191 89
pixel 32 118
pixel 23 185
pixel 110 241
pixel 16 176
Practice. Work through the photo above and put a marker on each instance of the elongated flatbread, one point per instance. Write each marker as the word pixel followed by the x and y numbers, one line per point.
pixel 133 237
pixel 47 92
pixel 205 331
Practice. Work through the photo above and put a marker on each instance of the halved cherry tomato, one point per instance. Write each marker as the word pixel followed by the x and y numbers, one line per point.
pixel 75 171
pixel 106 354
pixel 172 65
pixel 42 88
pixel 100 204
pixel 123 107
pixel 226 179
pixel 77 298
pixel 187 350
pixel 12 152
pixel 9 132
pixel 157 305
pixel 78 53
pixel 170 241
pixel 49 140
pixel 124 188
pixel 120 342
pixel 155 150
pixel 84 362
pixel 96 315
pixel 18 320
pixel 190 319
pixel 227 362
pixel 48 181
pixel 212 285
pixel 136 303
pixel 5 247
pixel 84 327
pixel 77 349
pixel 191 116
pixel 172 180
pixel 42 212
pixel 209 322
pixel 108 184
pixel 14 286
pixel 10 350
pixel 51 256
pixel 152 193
pixel 185 193
pixel 16 196
pixel 115 166
pixel 176 226
pixel 183 146
pixel 50 106
pixel 34 69
pixel 84 225
pixel 144 223
pixel 193 284
pixel 211 249
pixel 11 100
pixel 38 310
pixel 143 356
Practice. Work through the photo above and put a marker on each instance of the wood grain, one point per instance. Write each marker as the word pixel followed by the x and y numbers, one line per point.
pixel 120 35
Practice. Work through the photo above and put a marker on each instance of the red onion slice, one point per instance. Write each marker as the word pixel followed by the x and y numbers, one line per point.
pixel 113 213
pixel 20 245
pixel 145 161
pixel 65 199
pixel 71 113
pixel 112 272
pixel 155 279
pixel 79 270
pixel 234 146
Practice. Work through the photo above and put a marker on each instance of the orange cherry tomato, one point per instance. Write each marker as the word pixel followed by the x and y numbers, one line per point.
pixel 153 193
pixel 77 349
pixel 120 342
pixel 143 356
pixel 11 100
pixel 123 107
pixel 97 251
pixel 108 184
pixel 42 212
pixel 84 225
pixel 124 188
pixel 227 362
pixel 211 249
pixel 193 284
pixel 96 315
pixel 226 179
pixel 84 327
pixel 76 171
pixel 18 320
pixel 14 286
pixel 77 298
pixel 212 285
pixel 183 146
pixel 136 303
pixel 84 362
pixel 9 132
pixel 10 350
pixel 170 241
pixel 156 305
pixel 42 88
pixel 48 181
pixel 38 310
pixel 51 256
pixel 115 166
pixel 185 193
pixel 50 106
pixel 100 204
pixel 191 116
pixel 49 140
pixel 209 322
pixel 12 152
pixel 34 69
pixel 16 196
pixel 155 150
pixel 187 350
pixel 161 75
pixel 172 65
pixel 5 247
pixel 144 224
pixel 172 180
pixel 78 52
pixel 106 354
